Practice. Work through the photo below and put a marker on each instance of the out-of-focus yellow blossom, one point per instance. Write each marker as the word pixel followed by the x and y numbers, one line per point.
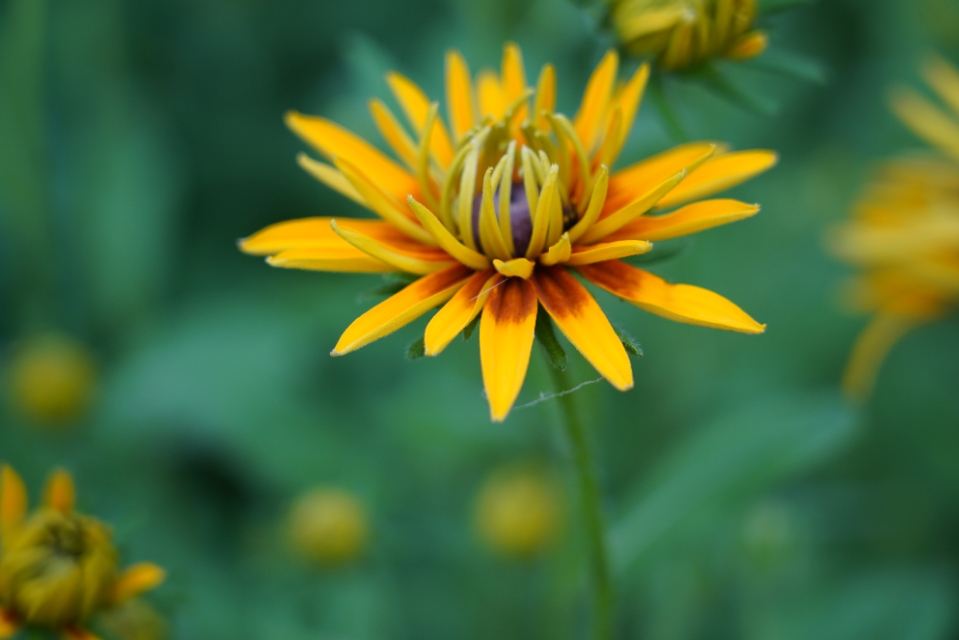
pixel 518 512
pixel 52 379
pixel 328 526
pixel 135 620
pixel 904 233
pixel 58 567
pixel 685 33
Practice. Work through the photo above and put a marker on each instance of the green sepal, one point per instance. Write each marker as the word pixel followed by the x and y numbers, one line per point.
pixel 629 342
pixel 555 354
pixel 713 77
pixel 395 282
pixel 416 350
pixel 471 327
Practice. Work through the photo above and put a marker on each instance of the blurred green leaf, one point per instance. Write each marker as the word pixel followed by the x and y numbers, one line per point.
pixel 416 350
pixel 471 327
pixel 790 65
pixel 733 458
pixel 715 79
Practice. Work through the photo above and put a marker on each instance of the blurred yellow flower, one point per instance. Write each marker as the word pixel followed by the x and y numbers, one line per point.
pixel 328 526
pixel 685 33
pixel 58 567
pixel 518 512
pixel 134 620
pixel 497 213
pixel 52 379
pixel 904 233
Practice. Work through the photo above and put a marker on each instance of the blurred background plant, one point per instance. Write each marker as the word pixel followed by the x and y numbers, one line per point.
pixel 139 138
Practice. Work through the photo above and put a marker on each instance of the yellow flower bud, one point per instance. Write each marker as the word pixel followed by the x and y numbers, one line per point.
pixel 518 512
pixel 328 526
pixel 52 379
pixel 684 33
pixel 58 569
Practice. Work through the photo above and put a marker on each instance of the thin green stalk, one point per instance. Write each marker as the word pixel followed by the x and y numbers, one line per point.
pixel 591 502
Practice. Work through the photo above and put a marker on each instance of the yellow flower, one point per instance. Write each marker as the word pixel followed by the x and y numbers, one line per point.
pixel 328 526
pixel 52 379
pixel 684 33
pixel 58 567
pixel 497 214
pixel 518 512
pixel 904 233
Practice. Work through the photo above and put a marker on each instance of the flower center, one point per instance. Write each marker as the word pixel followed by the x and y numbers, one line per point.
pixel 520 218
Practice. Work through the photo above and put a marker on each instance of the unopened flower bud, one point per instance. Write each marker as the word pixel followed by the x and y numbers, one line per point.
pixel 518 512
pixel 52 379
pixel 328 526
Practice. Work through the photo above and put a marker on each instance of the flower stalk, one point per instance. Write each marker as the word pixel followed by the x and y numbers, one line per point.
pixel 591 504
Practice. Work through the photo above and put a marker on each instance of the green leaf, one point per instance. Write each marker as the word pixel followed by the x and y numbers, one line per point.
pixel 736 457
pixel 416 350
pixel 629 342
pixel 401 276
pixel 555 354
pixel 471 327
pixel 670 117
pixel 382 291
pixel 716 80
pixel 790 65
pixel 672 250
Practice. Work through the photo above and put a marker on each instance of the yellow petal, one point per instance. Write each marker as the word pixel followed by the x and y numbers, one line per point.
pixel 383 203
pixel 544 207
pixel 927 121
pixel 614 222
pixel 416 105
pixel 720 173
pixel 559 252
pixel 492 101
pixel 333 141
pixel 749 46
pixel 506 340
pixel 680 302
pixel 608 251
pixel 596 200
pixel 392 131
pixel 629 99
pixel 491 235
pixel 545 96
pixel 447 240
pixel 517 267
pixel 345 259
pixel 944 78
pixel 331 177
pixel 8 623
pixel 60 493
pixel 456 314
pixel 871 348
pixel 13 501
pixel 635 180
pixel 514 77
pixel 136 580
pixel 312 233
pixel 583 322
pixel 402 308
pixel 692 218
pixel 599 89
pixel 407 256
pixel 459 94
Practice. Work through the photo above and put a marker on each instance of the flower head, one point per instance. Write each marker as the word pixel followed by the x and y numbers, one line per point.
pixel 52 379
pixel 328 526
pixel 58 567
pixel 685 33
pixel 518 512
pixel 497 215
pixel 904 233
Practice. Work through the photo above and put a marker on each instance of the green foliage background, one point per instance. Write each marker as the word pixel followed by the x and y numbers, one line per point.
pixel 140 138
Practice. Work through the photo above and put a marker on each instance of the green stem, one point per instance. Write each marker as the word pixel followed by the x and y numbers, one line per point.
pixel 591 501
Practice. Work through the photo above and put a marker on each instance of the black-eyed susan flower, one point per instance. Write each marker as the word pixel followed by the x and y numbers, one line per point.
pixel 904 233
pixel 684 33
pixel 518 511
pixel 52 379
pixel 497 212
pixel 58 568
pixel 328 526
